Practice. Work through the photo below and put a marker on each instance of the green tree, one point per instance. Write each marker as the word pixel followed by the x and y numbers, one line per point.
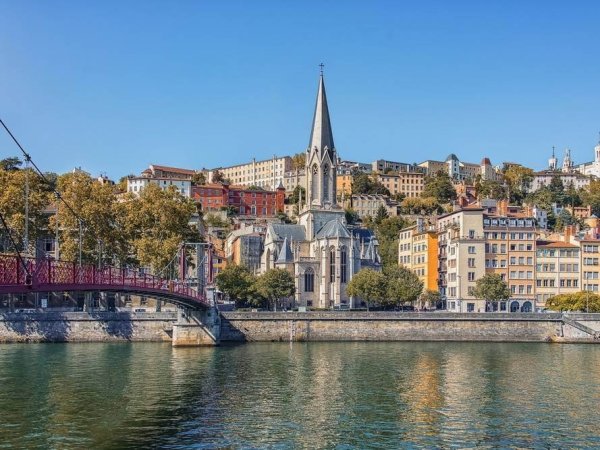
pixel 12 163
pixel 578 301
pixel 421 205
pixel 402 285
pixel 275 285
pixel 236 282
pixel 590 195
pixel 362 183
pixel 387 233
pixel 294 197
pixel 429 298
pixel 199 179
pixel 217 177
pixel 491 288
pixel 491 189
pixel 381 214
pixel 351 216
pixel 440 187
pixel 156 223
pixel 368 285
pixel 565 218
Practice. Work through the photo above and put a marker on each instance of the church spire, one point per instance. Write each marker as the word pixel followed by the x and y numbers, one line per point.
pixel 321 136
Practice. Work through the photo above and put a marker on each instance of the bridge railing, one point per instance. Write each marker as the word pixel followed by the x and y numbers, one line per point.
pixel 62 273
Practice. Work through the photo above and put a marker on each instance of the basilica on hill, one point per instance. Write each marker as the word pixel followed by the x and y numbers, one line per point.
pixel 321 251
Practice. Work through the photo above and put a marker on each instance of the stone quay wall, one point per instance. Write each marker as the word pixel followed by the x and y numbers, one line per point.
pixel 101 326
pixel 391 326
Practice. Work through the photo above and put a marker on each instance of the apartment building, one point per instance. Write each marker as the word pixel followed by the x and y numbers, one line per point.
pixel 590 263
pixel 461 258
pixel 343 185
pixel 510 251
pixel 368 205
pixel 558 268
pixel 246 202
pixel 163 177
pixel 418 251
pixel 460 170
pixel 294 178
pixel 410 184
pixel 266 174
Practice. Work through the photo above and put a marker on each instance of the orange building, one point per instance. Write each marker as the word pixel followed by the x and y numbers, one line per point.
pixel 418 251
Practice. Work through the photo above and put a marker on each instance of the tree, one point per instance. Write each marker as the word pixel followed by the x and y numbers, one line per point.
pixel 362 183
pixel 198 179
pixel 103 220
pixel 440 187
pixel 217 177
pixel 577 301
pixel 387 233
pixel 368 285
pixel 402 285
pixel 156 223
pixel 491 287
pixel 565 218
pixel 12 163
pixel 122 183
pixel 236 282
pixel 275 285
pixel 420 205
pixel 491 189
pixel 590 195
pixel 351 216
pixel 429 298
pixel 381 214
pixel 518 179
pixel 294 197
pixel 299 160
pixel 12 203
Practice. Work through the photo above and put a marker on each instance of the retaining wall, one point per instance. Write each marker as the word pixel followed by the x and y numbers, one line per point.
pixel 389 326
pixel 86 326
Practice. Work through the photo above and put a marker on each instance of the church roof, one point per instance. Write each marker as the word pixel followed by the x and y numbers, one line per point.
pixel 285 255
pixel 282 231
pixel 321 135
pixel 333 229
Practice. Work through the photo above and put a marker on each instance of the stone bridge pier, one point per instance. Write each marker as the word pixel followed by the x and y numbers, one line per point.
pixel 196 328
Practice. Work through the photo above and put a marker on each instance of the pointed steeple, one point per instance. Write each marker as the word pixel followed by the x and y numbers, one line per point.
pixel 285 255
pixel 321 136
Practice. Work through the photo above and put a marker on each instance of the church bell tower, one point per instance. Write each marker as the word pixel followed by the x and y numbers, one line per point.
pixel 321 158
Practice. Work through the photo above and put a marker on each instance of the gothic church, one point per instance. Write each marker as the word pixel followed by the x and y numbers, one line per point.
pixel 321 251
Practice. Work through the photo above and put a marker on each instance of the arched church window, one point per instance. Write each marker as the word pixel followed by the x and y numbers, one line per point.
pixel 326 182
pixel 309 280
pixel 332 265
pixel 315 169
pixel 343 265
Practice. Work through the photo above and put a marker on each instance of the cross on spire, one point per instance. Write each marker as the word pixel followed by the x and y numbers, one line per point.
pixel 321 66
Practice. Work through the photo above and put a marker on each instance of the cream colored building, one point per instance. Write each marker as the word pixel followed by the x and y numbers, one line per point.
pixel 460 170
pixel 557 270
pixel 368 204
pixel 461 255
pixel 267 174
pixel 410 184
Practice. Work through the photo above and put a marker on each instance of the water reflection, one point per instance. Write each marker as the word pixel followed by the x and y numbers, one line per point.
pixel 317 395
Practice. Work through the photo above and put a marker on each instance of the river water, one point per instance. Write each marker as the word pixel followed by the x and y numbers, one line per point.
pixel 301 395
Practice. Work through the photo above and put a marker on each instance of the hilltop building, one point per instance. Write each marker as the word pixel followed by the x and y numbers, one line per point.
pixel 459 170
pixel 266 174
pixel 164 177
pixel 321 251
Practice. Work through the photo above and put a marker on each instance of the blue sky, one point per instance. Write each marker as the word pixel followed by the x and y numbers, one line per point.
pixel 113 86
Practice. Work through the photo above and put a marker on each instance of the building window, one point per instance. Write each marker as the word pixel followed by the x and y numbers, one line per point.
pixel 309 280
pixel 332 265
pixel 343 265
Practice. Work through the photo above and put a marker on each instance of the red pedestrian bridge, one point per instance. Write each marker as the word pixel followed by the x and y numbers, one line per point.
pixel 25 275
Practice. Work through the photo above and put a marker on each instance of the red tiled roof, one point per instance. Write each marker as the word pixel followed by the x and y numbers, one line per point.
pixel 174 169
